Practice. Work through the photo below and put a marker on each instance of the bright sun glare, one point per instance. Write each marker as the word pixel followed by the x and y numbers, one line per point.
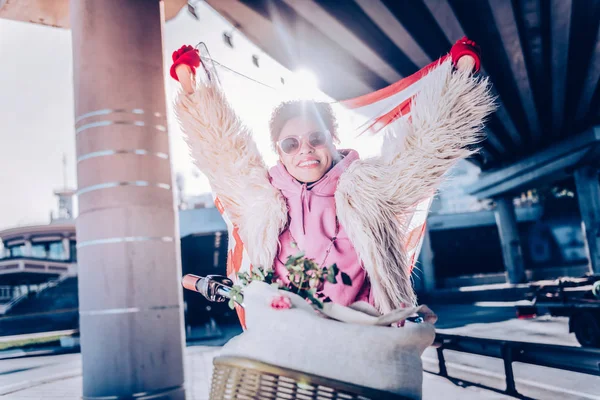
pixel 305 84
pixel 305 77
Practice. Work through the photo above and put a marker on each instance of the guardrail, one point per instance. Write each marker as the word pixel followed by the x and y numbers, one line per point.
pixel 575 359
pixel 5 307
pixel 52 283
pixel 8 305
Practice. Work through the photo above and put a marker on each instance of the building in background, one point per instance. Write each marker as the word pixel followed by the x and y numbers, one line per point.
pixel 38 275
pixel 38 269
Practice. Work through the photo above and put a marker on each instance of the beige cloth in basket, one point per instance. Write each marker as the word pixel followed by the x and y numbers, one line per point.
pixel 381 357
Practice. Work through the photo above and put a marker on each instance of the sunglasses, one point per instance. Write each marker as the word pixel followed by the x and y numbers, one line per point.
pixel 291 144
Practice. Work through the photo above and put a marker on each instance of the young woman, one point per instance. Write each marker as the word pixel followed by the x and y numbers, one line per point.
pixel 326 201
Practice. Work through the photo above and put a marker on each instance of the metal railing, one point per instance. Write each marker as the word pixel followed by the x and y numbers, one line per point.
pixel 50 284
pixel 7 306
pixel 575 359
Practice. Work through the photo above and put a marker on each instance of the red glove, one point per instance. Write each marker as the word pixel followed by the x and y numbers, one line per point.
pixel 185 55
pixel 464 47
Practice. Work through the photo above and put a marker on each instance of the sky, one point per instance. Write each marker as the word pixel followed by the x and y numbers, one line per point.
pixel 36 107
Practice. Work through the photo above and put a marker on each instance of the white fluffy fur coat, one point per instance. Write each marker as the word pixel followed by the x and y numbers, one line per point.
pixel 447 118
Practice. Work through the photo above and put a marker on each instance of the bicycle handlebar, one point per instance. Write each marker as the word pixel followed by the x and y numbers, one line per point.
pixel 215 288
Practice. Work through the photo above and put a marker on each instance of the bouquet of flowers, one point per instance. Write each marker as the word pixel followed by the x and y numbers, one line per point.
pixel 306 280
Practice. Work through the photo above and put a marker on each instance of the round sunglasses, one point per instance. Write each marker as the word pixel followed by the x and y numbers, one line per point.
pixel 292 144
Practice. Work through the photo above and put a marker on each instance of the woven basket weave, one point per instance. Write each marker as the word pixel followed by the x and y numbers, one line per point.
pixel 236 378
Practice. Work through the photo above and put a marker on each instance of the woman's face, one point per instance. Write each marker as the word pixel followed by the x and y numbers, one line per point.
pixel 305 149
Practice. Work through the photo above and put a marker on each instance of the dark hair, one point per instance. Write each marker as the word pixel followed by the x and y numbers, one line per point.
pixel 322 113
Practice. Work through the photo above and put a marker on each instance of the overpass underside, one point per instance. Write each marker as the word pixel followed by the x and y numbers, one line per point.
pixel 543 58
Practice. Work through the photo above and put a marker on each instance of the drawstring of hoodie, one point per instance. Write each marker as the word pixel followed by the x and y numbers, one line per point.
pixel 305 195
pixel 305 205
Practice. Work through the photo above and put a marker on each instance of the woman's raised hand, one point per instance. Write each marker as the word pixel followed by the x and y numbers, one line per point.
pixel 466 55
pixel 183 70
pixel 466 63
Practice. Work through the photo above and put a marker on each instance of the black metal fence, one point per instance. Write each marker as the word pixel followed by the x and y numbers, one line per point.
pixel 575 359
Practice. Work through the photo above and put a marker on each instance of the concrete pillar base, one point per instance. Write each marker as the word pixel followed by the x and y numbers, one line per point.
pixel 588 195
pixel 506 220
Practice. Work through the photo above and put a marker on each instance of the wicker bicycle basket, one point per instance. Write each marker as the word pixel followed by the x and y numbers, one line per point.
pixel 244 379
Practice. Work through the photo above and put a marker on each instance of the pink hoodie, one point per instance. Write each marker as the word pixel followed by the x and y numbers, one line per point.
pixel 312 223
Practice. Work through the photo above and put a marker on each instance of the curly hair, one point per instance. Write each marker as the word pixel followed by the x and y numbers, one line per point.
pixel 320 112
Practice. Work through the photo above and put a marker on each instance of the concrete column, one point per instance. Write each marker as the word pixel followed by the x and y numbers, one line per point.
pixel 66 248
pixel 426 264
pixel 27 248
pixel 506 220
pixel 588 195
pixel 130 299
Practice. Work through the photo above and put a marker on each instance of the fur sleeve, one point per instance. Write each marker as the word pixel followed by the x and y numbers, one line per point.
pixel 373 195
pixel 447 119
pixel 223 149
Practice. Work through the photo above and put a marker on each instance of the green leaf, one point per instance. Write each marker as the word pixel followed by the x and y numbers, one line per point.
pixel 296 268
pixel 331 278
pixel 334 269
pixel 307 266
pixel 346 279
pixel 232 304
pixel 269 276
pixel 293 259
pixel 307 294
